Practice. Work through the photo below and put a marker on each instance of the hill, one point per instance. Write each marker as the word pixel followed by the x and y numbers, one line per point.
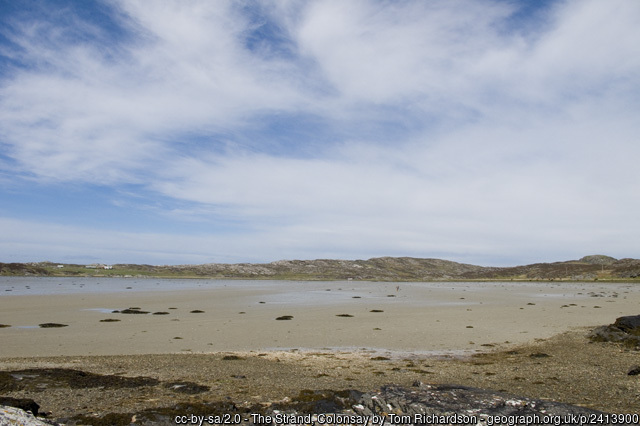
pixel 376 269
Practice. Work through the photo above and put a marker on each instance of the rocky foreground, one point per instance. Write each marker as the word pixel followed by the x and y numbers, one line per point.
pixel 575 378
pixel 376 269
pixel 420 404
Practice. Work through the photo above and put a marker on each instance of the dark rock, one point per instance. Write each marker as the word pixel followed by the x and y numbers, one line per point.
pixel 197 311
pixel 539 355
pixel 52 325
pixel 21 403
pixel 634 371
pixel 625 330
pixel 231 358
pixel 161 313
pixel 629 324
pixel 4 325
pixel 132 311
pixel 109 320
pixel 284 318
pixel 344 315
pixel 376 310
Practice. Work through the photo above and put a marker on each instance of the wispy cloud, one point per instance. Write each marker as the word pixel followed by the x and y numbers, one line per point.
pixel 346 129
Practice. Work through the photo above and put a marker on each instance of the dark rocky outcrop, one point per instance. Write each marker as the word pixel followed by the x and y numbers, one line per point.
pixel 443 400
pixel 625 330
pixel 25 404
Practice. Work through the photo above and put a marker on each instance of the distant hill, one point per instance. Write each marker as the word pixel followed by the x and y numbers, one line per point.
pixel 377 269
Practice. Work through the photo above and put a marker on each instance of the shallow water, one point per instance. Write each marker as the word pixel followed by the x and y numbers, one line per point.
pixel 309 293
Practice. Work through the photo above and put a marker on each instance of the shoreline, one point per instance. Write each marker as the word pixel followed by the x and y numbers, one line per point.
pixel 565 368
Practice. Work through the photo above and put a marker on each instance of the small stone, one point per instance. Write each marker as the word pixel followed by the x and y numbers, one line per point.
pixel 539 355
pixel 231 358
pixel 634 371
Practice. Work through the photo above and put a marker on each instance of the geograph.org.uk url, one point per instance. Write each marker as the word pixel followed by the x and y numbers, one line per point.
pixel 567 419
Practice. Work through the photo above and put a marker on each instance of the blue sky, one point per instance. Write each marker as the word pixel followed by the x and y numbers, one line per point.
pixel 491 132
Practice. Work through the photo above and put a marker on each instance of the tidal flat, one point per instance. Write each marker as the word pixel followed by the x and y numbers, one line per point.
pixel 226 336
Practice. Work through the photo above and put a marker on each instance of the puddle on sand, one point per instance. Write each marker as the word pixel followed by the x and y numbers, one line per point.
pixel 102 310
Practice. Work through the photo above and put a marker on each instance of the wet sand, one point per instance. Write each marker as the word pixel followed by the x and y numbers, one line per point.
pixel 418 318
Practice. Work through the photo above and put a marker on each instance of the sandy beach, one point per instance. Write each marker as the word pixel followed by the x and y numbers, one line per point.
pixel 421 318
pixel 526 339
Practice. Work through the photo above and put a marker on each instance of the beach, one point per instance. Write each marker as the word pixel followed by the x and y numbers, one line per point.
pixel 213 316
pixel 524 338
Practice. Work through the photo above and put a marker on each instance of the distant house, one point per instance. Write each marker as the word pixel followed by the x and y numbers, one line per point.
pixel 108 267
pixel 91 266
pixel 60 266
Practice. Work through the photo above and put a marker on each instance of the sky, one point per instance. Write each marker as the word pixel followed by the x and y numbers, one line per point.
pixel 492 132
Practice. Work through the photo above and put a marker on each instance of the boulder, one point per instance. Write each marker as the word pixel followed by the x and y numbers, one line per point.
pixel 22 403
pixel 11 416
pixel 629 324
pixel 625 330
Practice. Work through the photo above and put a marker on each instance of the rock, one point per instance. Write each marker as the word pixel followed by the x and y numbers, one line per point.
pixel 132 311
pixel 625 330
pixel 52 325
pixel 284 318
pixel 539 355
pixel 629 324
pixel 634 371
pixel 11 416
pixel 443 400
pixel 21 403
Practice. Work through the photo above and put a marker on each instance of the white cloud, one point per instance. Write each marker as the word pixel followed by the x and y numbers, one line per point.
pixel 519 142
